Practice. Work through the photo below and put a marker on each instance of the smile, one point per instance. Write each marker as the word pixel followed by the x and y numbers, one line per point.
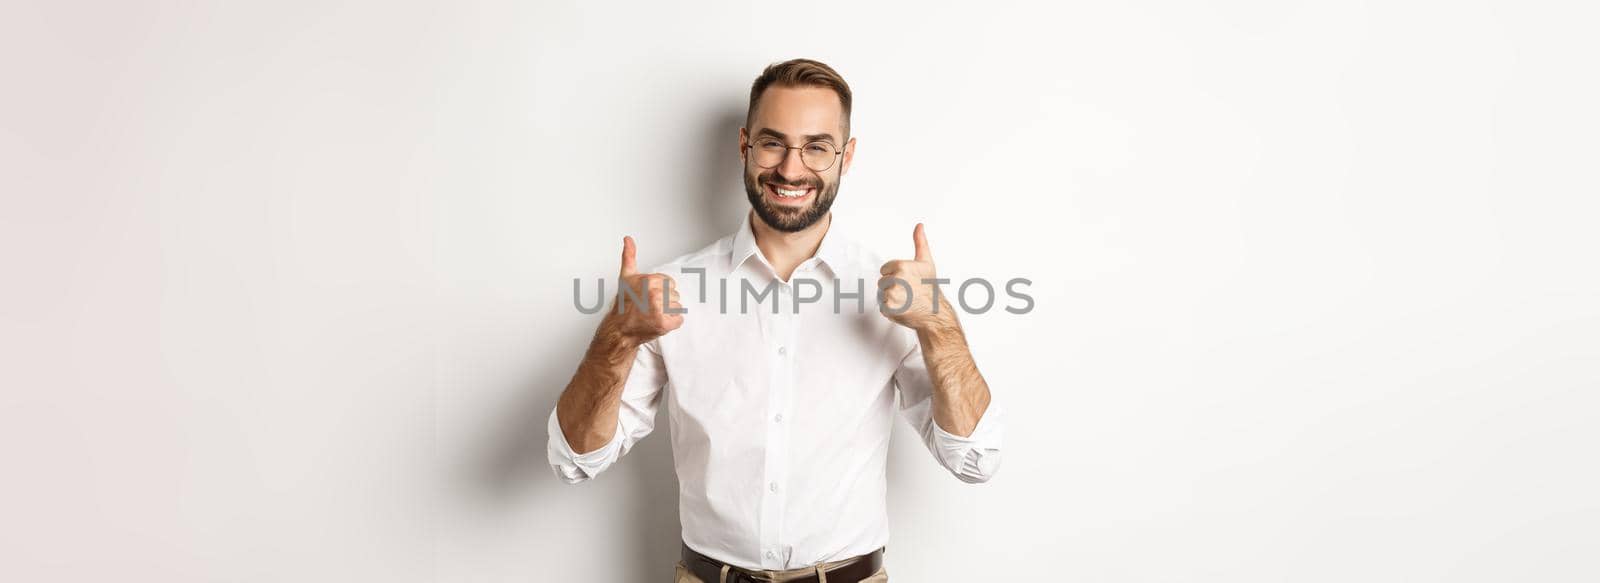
pixel 789 195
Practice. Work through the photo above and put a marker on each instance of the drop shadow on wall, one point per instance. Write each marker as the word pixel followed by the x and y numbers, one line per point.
pixel 512 462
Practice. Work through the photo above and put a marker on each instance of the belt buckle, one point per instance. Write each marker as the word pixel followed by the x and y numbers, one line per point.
pixel 744 577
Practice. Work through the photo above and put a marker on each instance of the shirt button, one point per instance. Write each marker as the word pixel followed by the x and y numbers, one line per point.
pixel 773 486
pixel 782 351
pixel 772 555
pixel 778 418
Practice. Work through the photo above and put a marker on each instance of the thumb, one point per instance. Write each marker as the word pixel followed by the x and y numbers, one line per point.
pixel 628 266
pixel 921 238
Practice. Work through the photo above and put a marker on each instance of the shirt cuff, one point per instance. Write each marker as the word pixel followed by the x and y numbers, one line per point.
pixel 974 458
pixel 573 467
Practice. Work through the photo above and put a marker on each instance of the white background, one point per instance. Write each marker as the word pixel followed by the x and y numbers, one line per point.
pixel 287 285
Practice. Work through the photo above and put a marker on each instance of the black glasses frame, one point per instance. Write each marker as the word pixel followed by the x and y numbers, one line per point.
pixel 838 151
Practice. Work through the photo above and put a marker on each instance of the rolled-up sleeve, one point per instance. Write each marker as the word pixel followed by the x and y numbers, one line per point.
pixel 972 459
pixel 641 395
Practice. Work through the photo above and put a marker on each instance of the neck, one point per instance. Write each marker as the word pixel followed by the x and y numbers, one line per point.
pixel 786 251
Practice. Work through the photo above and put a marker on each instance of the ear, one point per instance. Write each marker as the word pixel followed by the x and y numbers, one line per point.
pixel 849 154
pixel 744 142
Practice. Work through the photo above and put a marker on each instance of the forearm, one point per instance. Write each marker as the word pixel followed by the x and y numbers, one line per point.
pixel 587 409
pixel 960 395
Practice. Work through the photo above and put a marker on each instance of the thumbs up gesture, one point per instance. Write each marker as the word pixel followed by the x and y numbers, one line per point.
pixel 643 299
pixel 910 296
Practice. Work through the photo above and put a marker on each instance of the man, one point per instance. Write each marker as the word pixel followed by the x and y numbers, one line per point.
pixel 781 410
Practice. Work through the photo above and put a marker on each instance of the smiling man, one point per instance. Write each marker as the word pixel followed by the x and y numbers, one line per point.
pixel 781 414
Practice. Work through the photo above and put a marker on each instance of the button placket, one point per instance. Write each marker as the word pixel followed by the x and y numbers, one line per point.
pixel 775 472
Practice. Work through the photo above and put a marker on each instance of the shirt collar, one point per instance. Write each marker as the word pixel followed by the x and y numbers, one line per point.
pixel 831 252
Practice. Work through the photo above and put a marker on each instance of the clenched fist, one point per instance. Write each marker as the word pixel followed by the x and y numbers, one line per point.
pixel 910 295
pixel 645 303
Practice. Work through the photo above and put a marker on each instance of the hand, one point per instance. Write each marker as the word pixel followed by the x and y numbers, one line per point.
pixel 642 322
pixel 927 309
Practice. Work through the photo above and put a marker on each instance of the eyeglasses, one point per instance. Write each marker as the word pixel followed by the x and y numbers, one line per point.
pixel 770 152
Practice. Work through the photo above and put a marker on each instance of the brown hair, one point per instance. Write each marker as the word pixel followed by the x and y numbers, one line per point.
pixel 800 73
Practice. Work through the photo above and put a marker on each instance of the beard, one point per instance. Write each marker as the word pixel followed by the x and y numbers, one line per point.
pixel 788 219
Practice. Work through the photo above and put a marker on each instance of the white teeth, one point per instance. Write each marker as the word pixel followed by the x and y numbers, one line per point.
pixel 789 193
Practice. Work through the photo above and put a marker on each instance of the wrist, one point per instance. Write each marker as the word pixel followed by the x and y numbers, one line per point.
pixel 940 324
pixel 612 337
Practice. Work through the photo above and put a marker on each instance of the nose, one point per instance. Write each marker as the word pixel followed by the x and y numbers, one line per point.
pixel 792 168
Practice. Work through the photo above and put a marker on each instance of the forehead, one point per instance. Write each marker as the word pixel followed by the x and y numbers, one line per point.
pixel 799 111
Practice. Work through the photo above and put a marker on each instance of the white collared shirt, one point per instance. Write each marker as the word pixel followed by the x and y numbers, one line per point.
pixel 781 421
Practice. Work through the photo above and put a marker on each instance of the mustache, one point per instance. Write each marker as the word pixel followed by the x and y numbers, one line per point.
pixel 775 180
